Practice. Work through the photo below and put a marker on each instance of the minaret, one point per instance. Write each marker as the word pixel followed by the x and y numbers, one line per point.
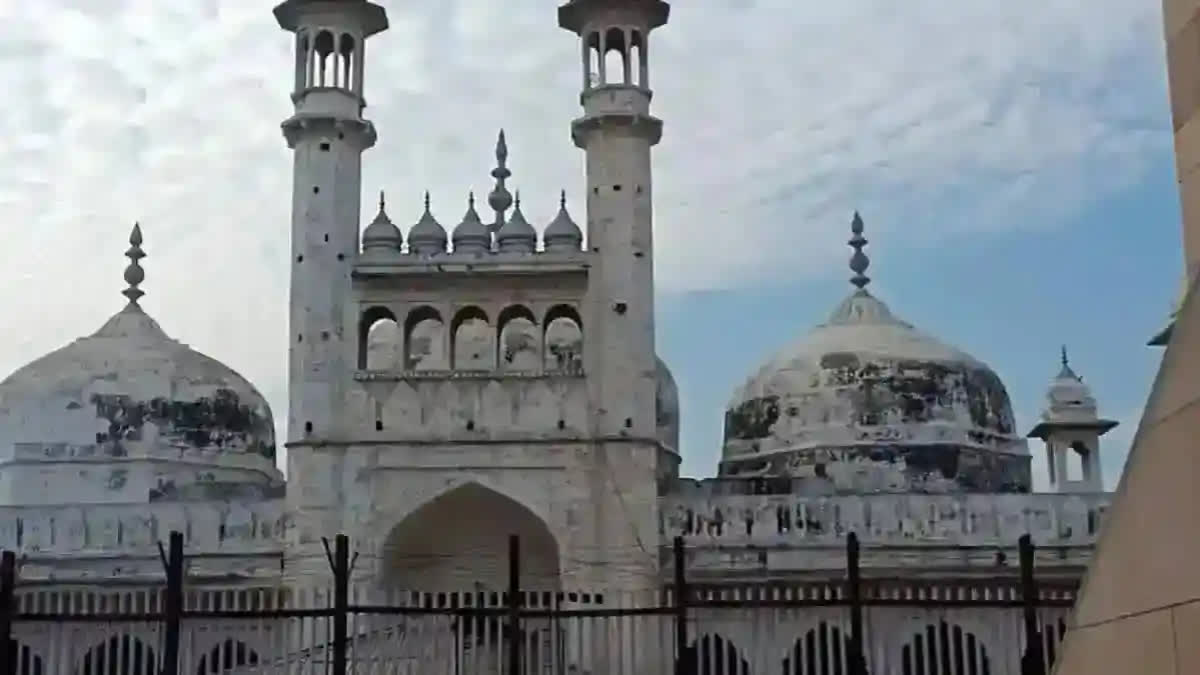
pixel 327 134
pixel 1071 430
pixel 617 132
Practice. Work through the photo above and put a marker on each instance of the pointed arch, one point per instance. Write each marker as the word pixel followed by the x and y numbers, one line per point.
pixel 380 323
pixel 823 650
pixel 424 339
pixel 119 655
pixel 471 340
pixel 458 541
pixel 562 339
pixel 945 648
pixel 713 654
pixel 518 346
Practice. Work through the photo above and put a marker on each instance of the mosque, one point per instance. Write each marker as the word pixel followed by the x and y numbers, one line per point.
pixel 452 385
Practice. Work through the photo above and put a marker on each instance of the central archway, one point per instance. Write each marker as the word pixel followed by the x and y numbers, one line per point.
pixel 458 542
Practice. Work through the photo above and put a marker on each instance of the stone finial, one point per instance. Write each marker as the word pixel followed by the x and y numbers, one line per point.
pixel 859 260
pixel 134 274
pixel 499 199
pixel 1066 372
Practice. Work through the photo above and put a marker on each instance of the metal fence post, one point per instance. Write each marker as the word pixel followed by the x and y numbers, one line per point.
pixel 1032 662
pixel 514 605
pixel 340 563
pixel 683 656
pixel 172 602
pixel 8 587
pixel 857 663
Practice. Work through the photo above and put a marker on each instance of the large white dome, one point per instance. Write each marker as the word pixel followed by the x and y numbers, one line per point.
pixel 866 403
pixel 137 411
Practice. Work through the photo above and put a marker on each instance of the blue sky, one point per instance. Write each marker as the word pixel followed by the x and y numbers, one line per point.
pixel 1100 280
pixel 1012 161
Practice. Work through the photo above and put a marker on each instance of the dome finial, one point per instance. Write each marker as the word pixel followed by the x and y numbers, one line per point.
pixel 859 260
pixel 1066 372
pixel 382 201
pixel 134 274
pixel 427 201
pixel 499 198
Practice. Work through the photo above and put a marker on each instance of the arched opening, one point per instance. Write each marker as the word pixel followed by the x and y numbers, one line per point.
pixel 1079 458
pixel 616 58
pixel 322 47
pixel 518 347
pixel 425 340
pixel 637 58
pixel 22 660
pixel 592 62
pixel 563 339
pixel 378 339
pixel 824 650
pixel 346 61
pixel 471 347
pixel 119 655
pixel 945 649
pixel 458 542
pixel 226 656
pixel 714 655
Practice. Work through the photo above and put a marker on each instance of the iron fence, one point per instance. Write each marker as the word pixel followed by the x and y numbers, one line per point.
pixel 851 626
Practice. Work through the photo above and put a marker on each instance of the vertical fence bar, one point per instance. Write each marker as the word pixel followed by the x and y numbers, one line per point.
pixel 514 641
pixel 341 602
pixel 683 662
pixel 1031 661
pixel 173 604
pixel 8 587
pixel 856 663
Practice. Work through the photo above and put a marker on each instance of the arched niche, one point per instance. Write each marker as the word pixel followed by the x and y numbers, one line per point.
pixel 562 338
pixel 425 340
pixel 379 339
pixel 823 650
pixel 119 655
pixel 944 649
pixel 225 657
pixel 519 346
pixel 471 346
pixel 458 542
pixel 713 654
pixel 22 660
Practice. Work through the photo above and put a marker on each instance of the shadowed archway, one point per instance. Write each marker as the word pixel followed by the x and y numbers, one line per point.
pixel 458 542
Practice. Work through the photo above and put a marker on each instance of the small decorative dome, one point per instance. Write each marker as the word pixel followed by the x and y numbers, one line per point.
pixel 562 234
pixel 129 392
pixel 1069 404
pixel 471 235
pixel 516 235
pixel 867 403
pixel 382 234
pixel 428 236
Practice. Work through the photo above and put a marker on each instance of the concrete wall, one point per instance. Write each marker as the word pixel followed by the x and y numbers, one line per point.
pixel 1182 31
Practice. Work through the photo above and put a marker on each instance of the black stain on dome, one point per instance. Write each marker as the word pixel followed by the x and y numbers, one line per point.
pixel 752 419
pixel 220 421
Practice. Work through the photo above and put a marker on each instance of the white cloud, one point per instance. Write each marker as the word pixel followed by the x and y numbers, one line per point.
pixel 781 117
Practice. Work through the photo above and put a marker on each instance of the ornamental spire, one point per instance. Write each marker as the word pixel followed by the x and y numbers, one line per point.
pixel 859 260
pixel 500 199
pixel 134 274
